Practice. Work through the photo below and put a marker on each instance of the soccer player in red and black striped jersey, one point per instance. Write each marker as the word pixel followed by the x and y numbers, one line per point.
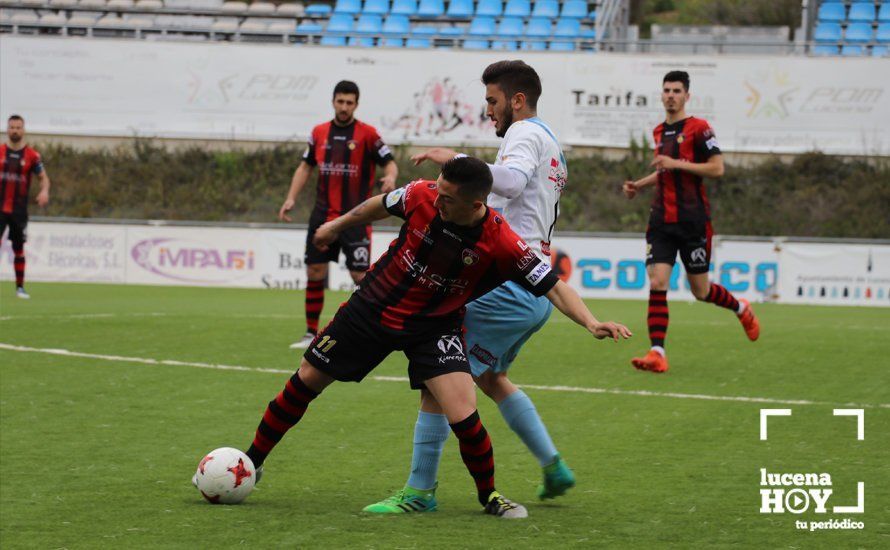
pixel 346 152
pixel 686 152
pixel 18 162
pixel 451 249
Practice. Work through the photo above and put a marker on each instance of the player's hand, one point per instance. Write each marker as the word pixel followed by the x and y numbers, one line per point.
pixel 630 189
pixel 285 208
pixel 43 198
pixel 664 162
pixel 324 236
pixel 611 330
pixel 439 155
pixel 387 184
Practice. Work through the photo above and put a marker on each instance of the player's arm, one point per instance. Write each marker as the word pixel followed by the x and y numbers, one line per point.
pixel 632 186
pixel 390 175
pixel 43 195
pixel 507 181
pixel 711 168
pixel 367 212
pixel 566 300
pixel 301 176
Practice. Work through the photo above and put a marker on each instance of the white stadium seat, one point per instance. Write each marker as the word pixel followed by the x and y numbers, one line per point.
pixel 62 4
pixel 111 21
pixel 294 9
pixel 32 3
pixel 139 21
pixel 28 17
pixel 53 20
pixel 225 24
pixel 283 27
pixel 149 4
pixel 261 8
pixel 118 4
pixel 254 25
pixel 234 7
pixel 91 3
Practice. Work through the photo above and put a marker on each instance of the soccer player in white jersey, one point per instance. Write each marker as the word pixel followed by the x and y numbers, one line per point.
pixel 529 176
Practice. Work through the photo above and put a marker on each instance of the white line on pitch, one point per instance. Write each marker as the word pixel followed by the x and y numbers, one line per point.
pixel 572 389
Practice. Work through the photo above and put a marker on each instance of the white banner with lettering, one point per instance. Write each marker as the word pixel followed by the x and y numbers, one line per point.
pixel 268 92
pixel 597 267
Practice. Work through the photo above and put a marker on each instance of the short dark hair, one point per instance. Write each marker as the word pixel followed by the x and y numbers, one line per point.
pixel 471 175
pixel 677 76
pixel 15 117
pixel 514 77
pixel 346 87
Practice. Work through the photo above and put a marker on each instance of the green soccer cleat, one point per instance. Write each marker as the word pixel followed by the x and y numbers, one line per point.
pixel 558 479
pixel 405 501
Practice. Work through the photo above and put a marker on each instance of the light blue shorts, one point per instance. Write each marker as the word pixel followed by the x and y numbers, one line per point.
pixel 499 323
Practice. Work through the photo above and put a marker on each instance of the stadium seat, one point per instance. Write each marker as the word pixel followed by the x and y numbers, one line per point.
pixel 369 24
pixel 517 8
pixel 139 21
pixel 348 6
pixel 396 26
pixel 91 3
pixel 120 4
pixel 880 51
pixel 333 41
pixel 234 7
pixel 852 51
pixel 588 34
pixel 546 8
pixel 416 43
pixel 452 31
pixel 360 41
pixel 476 44
pixel 534 45
pixel 319 10
pixel 376 7
pixel 832 11
pixel 539 27
pixel 884 13
pixel 291 10
pixel 574 8
pixel 883 33
pixel 404 7
pixel 504 45
pixel 824 49
pixel 509 26
pixel 561 46
pixel 592 15
pixel 253 26
pixel 391 42
pixel 858 33
pixel 491 8
pixel 63 4
pixel 481 26
pixel 309 27
pixel 58 20
pixel 862 12
pixel 567 28
pixel 827 32
pixel 261 8
pixel 225 24
pixel 460 9
pixel 339 23
pixel 431 8
pixel 420 31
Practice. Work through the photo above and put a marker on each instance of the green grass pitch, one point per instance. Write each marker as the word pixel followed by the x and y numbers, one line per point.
pixel 98 453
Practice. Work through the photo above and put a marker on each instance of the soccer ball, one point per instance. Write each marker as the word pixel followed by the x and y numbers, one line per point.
pixel 225 476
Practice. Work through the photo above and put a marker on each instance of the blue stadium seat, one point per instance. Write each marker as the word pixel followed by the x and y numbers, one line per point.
pixel 318 10
pixel 396 25
pixel 883 34
pixel 360 41
pixel 423 32
pixel 588 34
pixel 827 32
pixel 418 43
pixel 884 14
pixel 339 23
pixel 832 11
pixel 510 26
pixel 309 27
pixel 592 15
pixel 376 7
pixel 561 46
pixel 369 24
pixel 574 8
pixel 492 8
pixel 546 8
pixel 390 42
pixel 534 45
pixel 476 44
pixel 862 1
pixel 348 6
pixel 880 51
pixel 852 51
pixel 481 26
pixel 333 41
pixel 539 27
pixel 460 9
pixel 404 7
pixel 862 12
pixel 824 49
pixel 858 33
pixel 504 45
pixel 517 8
pixel 567 28
pixel 452 31
pixel 431 8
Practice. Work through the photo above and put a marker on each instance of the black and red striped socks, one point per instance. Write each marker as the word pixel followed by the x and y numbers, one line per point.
pixel 314 304
pixel 282 414
pixel 722 297
pixel 18 263
pixel 658 318
pixel 477 454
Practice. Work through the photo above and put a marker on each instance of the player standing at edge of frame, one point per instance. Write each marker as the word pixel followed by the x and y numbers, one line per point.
pixel 529 176
pixel 345 151
pixel 451 249
pixel 686 152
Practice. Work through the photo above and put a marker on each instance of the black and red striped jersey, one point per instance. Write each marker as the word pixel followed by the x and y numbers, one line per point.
pixel 16 168
pixel 680 196
pixel 346 158
pixel 433 268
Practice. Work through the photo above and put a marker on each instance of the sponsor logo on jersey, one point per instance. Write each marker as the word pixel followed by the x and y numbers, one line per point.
pixel 538 273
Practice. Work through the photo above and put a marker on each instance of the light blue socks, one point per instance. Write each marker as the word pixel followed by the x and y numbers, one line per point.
pixel 430 434
pixel 522 417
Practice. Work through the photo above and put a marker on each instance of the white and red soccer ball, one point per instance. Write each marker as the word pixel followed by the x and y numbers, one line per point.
pixel 225 476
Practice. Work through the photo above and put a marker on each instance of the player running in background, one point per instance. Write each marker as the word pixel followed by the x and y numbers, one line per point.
pixel 345 150
pixel 529 176
pixel 18 162
pixel 686 152
pixel 451 249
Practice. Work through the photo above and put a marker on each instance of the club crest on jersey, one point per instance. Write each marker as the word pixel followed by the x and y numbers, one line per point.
pixel 470 257
pixel 351 144
pixel 681 138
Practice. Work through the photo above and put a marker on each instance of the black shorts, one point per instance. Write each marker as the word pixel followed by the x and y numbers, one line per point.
pixel 355 243
pixel 352 345
pixel 691 239
pixel 18 227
